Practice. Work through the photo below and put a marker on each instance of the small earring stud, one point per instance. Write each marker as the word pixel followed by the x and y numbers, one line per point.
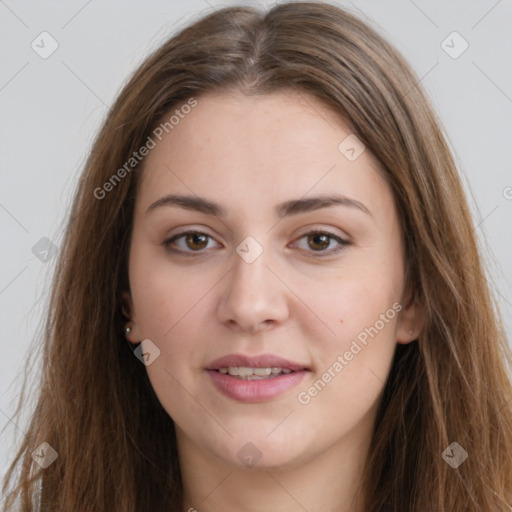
pixel 127 330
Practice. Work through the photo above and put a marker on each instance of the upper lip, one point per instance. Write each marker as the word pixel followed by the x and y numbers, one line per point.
pixel 261 361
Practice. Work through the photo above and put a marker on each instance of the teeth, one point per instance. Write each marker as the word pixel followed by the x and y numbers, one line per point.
pixel 254 373
pixel 262 372
pixel 242 372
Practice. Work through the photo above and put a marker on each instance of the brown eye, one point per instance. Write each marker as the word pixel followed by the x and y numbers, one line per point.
pixel 196 241
pixel 321 243
pixel 318 241
pixel 189 242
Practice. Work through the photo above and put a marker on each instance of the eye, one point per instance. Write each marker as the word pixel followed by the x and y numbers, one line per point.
pixel 189 242
pixel 320 241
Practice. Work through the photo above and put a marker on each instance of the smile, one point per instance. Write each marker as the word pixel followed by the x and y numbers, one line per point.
pixel 246 373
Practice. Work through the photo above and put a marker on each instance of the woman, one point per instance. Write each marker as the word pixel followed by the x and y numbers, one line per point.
pixel 269 295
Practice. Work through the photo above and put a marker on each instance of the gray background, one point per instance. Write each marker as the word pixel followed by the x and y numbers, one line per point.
pixel 51 109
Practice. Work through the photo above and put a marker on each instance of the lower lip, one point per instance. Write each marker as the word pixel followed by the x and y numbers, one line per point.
pixel 251 391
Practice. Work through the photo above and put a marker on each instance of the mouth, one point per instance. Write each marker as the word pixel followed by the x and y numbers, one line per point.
pixel 255 378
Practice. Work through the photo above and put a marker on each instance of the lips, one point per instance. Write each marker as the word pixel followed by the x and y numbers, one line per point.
pixel 261 361
pixel 231 375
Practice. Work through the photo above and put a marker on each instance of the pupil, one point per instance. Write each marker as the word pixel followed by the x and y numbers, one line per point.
pixel 320 240
pixel 194 239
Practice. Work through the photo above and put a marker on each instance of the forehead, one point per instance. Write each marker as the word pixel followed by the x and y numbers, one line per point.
pixel 274 146
pixel 289 126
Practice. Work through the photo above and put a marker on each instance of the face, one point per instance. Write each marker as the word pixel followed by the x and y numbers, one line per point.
pixel 259 241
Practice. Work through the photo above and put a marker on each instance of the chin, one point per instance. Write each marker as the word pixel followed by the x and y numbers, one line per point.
pixel 254 450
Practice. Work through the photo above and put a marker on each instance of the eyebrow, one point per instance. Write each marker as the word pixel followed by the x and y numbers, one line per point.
pixel 288 208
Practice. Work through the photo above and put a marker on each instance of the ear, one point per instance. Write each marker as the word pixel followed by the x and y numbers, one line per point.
pixel 410 321
pixel 129 313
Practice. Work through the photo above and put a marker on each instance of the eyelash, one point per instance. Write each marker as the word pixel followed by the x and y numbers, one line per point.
pixel 190 253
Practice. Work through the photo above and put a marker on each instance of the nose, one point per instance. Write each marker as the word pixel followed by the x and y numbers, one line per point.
pixel 253 297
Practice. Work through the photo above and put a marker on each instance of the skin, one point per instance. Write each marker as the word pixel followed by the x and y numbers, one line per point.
pixel 249 154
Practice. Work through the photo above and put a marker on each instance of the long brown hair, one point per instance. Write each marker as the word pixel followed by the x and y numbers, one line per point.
pixel 96 407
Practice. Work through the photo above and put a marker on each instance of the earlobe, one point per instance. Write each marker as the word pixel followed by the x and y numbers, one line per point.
pixel 410 322
pixel 130 327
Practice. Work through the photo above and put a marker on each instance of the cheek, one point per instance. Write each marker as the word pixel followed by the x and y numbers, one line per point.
pixel 353 365
pixel 165 296
pixel 170 303
pixel 344 305
pixel 354 338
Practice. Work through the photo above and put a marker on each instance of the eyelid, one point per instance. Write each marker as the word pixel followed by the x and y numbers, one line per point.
pixel 167 242
pixel 324 229
pixel 342 242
